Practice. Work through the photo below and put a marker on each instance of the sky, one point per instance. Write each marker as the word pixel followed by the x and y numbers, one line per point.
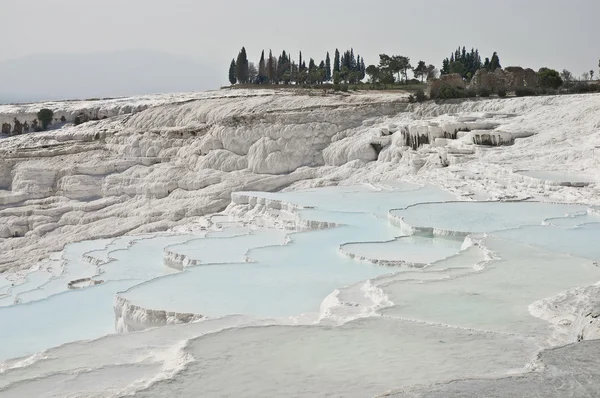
pixel 195 40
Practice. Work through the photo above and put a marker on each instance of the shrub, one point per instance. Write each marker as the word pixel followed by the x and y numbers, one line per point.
pixel 449 92
pixel 501 93
pixel 344 88
pixel 45 117
pixel 484 92
pixel 420 96
pixel 549 78
pixel 77 121
pixel 470 93
pixel 524 92
pixel 63 118
pixel 583 88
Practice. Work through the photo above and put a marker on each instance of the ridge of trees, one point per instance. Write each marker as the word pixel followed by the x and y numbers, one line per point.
pixel 282 69
pixel 348 68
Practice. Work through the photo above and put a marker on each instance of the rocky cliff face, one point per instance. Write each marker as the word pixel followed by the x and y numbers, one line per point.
pixel 507 79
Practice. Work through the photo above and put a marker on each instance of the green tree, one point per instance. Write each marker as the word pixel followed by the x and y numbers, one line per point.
pixel 566 76
pixel 373 73
pixel 421 70
pixel 591 74
pixel 294 73
pixel 336 61
pixel 445 67
pixel 45 117
pixel 241 67
pixel 232 78
pixel 549 78
pixel 252 73
pixel 431 72
pixel 457 67
pixel 345 74
pixel 327 68
pixel 272 68
pixel 495 62
pixel 262 69
pixel 405 66
pixel 363 69
pixel 386 76
pixel 321 73
pixel 395 65
pixel 283 64
pixel 337 78
pixel 486 64
pixel 302 76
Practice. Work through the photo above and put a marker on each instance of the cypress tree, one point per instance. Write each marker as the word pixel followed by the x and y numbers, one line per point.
pixel 262 69
pixel 336 61
pixel 495 62
pixel 232 78
pixel 327 68
pixel 241 67
pixel 363 70
pixel 445 67
pixel 271 68
pixel 300 61
pixel 283 65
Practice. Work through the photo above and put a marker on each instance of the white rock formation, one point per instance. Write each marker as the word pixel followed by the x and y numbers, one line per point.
pixel 164 166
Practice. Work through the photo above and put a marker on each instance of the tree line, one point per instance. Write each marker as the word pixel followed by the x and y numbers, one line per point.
pixel 467 63
pixel 348 68
pixel 392 66
pixel 282 69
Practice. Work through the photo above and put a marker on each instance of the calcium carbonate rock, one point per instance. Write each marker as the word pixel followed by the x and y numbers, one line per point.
pixel 492 138
pixel 81 187
pixel 223 160
pixel 169 164
pixel 349 149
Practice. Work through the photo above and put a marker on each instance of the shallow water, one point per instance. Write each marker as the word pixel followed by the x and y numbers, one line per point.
pixel 462 312
pixel 581 241
pixel 560 177
pixel 280 281
pixel 409 249
pixel 483 217
pixel 361 358
pixel 497 297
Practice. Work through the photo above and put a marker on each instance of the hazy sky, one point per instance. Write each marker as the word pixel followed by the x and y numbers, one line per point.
pixel 531 33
